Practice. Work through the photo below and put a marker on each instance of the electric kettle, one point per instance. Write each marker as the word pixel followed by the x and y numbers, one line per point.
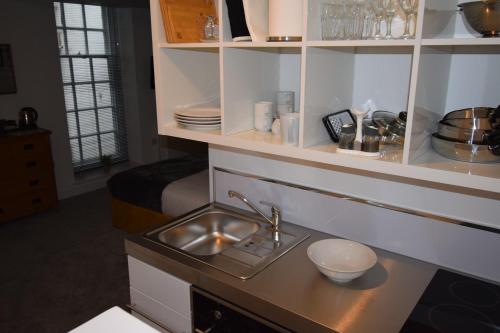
pixel 27 118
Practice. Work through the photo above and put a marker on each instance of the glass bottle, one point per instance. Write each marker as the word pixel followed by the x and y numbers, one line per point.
pixel 211 29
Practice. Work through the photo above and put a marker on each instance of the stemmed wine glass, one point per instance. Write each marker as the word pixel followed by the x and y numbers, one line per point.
pixel 410 9
pixel 390 7
pixel 378 11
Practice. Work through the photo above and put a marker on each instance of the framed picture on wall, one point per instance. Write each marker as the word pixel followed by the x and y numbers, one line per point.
pixel 7 76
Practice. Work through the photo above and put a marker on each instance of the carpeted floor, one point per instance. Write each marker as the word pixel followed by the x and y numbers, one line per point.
pixel 61 268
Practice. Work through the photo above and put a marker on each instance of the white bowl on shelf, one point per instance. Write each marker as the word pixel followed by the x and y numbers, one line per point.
pixel 341 260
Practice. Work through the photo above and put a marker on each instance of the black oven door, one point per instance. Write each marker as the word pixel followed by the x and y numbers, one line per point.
pixel 213 315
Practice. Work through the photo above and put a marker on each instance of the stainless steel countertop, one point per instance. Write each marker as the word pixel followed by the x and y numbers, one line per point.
pixel 294 294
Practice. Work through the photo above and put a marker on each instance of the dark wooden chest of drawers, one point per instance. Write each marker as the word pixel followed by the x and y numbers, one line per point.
pixel 27 183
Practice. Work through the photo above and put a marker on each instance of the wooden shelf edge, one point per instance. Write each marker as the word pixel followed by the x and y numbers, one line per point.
pixel 188 45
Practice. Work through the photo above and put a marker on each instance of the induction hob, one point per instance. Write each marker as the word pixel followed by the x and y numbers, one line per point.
pixel 453 303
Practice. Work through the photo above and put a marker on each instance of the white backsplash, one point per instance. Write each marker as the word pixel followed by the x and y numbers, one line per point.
pixel 454 246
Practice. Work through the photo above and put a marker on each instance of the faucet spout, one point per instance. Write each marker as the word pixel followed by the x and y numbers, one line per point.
pixel 274 221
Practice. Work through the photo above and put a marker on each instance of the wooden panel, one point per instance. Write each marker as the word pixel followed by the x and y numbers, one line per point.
pixel 27 204
pixel 26 174
pixel 163 287
pixel 132 218
pixel 184 20
pixel 32 179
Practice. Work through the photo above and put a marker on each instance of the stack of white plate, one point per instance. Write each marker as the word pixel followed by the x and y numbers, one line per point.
pixel 200 119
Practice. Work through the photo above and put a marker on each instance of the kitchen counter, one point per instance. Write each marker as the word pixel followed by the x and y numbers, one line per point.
pixel 294 294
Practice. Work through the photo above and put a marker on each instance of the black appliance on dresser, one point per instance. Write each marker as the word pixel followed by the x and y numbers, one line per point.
pixel 454 303
pixel 214 315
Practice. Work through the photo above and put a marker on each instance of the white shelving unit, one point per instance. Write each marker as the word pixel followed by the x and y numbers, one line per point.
pixel 445 67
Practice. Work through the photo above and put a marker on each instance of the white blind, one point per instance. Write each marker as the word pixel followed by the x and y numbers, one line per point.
pixel 92 88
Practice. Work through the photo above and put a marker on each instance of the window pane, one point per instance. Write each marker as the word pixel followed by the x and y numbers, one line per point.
pixel 66 71
pixel 68 98
pixel 81 69
pixel 73 15
pixel 96 42
pixel 87 122
pixel 103 94
pixel 75 151
pixel 108 144
pixel 76 42
pixel 90 148
pixel 93 16
pixel 60 41
pixel 72 128
pixel 101 72
pixel 84 96
pixel 106 122
pixel 57 10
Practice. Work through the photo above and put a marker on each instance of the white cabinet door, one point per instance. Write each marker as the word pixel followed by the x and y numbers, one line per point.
pixel 160 296
pixel 159 313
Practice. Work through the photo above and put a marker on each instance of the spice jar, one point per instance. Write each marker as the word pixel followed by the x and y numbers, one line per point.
pixel 347 136
pixel 371 139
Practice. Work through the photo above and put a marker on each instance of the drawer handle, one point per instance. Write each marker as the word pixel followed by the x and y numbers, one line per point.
pixel 132 307
pixel 30 164
pixel 29 146
pixel 34 182
pixel 36 201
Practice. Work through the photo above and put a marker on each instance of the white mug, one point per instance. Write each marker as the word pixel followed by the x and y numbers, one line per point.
pixel 289 123
pixel 263 116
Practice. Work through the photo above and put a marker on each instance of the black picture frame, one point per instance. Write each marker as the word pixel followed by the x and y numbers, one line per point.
pixel 7 74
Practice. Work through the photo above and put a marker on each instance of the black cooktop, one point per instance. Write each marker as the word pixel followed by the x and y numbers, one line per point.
pixel 453 303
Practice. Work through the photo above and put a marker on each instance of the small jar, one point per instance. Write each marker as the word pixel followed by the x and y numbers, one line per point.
pixel 211 29
pixel 371 140
pixel 347 136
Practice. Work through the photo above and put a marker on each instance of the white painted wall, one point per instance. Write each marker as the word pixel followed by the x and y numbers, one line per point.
pixel 29 26
pixel 450 245
pixel 474 207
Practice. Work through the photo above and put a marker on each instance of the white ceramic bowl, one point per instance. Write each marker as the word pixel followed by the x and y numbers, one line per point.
pixel 341 260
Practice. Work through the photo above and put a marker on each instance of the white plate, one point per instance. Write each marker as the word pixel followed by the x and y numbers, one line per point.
pixel 200 127
pixel 194 122
pixel 199 112
pixel 198 118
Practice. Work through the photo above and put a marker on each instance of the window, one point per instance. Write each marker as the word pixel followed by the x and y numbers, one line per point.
pixel 91 79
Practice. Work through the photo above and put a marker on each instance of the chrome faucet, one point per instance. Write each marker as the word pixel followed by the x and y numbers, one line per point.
pixel 274 220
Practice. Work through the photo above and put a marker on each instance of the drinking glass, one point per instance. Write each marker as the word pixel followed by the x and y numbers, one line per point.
pixel 378 11
pixel 327 21
pixel 349 17
pixel 409 7
pixel 390 7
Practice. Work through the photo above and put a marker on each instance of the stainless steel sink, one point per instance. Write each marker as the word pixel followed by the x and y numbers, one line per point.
pixel 232 240
pixel 208 233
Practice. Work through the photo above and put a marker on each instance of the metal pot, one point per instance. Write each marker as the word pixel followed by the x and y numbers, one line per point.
pixel 483 16
pixel 466 152
pixel 470 135
pixel 27 118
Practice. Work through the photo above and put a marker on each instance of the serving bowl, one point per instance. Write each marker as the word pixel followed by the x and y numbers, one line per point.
pixel 341 260
pixel 483 16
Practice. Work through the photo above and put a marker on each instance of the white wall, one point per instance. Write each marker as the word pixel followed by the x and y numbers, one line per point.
pixel 448 202
pixel 446 244
pixel 29 26
pixel 140 108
